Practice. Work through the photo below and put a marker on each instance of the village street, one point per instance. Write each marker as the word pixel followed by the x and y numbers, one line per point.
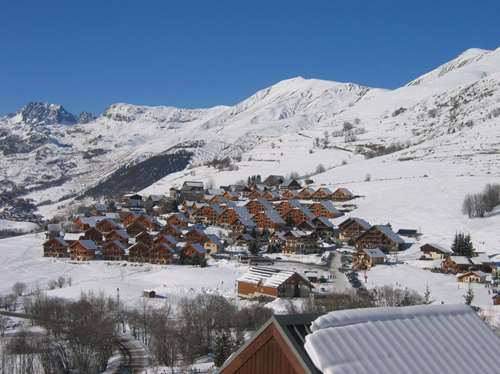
pixel 340 281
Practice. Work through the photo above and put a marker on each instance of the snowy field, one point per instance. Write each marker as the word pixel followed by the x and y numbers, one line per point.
pixel 21 227
pixel 22 261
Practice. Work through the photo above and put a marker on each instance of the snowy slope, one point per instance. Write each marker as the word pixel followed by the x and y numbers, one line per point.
pixel 449 115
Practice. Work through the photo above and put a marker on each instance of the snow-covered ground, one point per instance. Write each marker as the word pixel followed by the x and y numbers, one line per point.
pixel 22 261
pixel 21 227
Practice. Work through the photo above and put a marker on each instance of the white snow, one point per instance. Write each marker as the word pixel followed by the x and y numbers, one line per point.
pixel 419 339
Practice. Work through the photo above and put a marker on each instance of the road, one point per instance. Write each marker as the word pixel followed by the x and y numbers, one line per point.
pixel 130 357
pixel 340 281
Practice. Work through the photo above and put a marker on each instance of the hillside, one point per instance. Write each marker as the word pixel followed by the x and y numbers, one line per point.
pixel 447 116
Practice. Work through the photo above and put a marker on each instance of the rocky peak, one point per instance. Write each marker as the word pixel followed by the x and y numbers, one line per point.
pixel 39 113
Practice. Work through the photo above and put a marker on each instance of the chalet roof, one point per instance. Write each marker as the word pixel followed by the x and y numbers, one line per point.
pixel 328 205
pixel 60 240
pixel 214 239
pixel 118 243
pixel 325 221
pixel 122 233
pixel 344 191
pixel 113 216
pixel 155 198
pixel 438 247
pixel 73 236
pixel 274 216
pixel 192 184
pixel 387 231
pixel 244 216
pixel 170 239
pixel 269 277
pixel 325 189
pixel 197 247
pixel 480 274
pixel 246 237
pixel 88 244
pixel 272 180
pixel 215 191
pixel 91 221
pixel 293 329
pixel 407 232
pixel 361 222
pixel 357 341
pixel 460 260
pixel 288 181
pixel 480 259
pixel 374 252
pixel 54 227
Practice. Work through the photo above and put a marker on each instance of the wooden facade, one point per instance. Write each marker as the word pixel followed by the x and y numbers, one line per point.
pixel 81 250
pixel 93 234
pixel 351 229
pixel 375 237
pixel 322 193
pixel 55 247
pixel 139 252
pixel 342 194
pixel 113 251
pixel 160 254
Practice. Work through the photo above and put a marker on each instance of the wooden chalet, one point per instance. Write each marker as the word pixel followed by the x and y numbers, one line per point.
pixel 269 220
pixel 231 195
pixel 106 225
pixel 456 264
pixel 272 282
pixel 342 194
pixel 165 239
pixel 148 222
pixel 191 250
pixel 212 244
pixel 144 237
pixel 196 235
pixel 256 206
pixel 325 208
pixel 283 207
pixel 160 253
pixel 288 194
pixel 298 214
pixel 208 214
pixel 227 217
pixel 352 228
pixel 172 230
pixel 302 242
pixel 274 180
pixel 290 184
pixel 276 348
pixel 94 234
pixel 128 217
pixel 120 235
pixel 53 231
pixel 132 200
pixel 435 251
pixel 254 195
pixel 322 193
pixel 177 219
pixel 55 247
pixel 83 250
pixel 139 252
pixel 475 276
pixel 84 223
pixel 114 251
pixel 135 228
pixel 380 236
pixel 366 258
pixel 271 195
pixel 324 228
pixel 305 194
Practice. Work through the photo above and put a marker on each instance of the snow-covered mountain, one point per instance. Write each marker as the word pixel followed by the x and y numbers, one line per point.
pixel 450 114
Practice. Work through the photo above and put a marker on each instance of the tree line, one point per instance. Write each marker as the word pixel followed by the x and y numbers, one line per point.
pixel 479 204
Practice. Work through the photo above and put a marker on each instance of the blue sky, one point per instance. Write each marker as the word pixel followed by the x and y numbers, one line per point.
pixel 89 54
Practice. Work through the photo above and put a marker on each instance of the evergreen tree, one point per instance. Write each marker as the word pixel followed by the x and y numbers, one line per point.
pixel 462 245
pixel 224 345
pixel 253 247
pixel 469 295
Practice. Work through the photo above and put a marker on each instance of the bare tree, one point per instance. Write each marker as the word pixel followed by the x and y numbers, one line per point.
pixel 19 288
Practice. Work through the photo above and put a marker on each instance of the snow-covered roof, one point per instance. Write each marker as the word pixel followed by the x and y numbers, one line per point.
pixel 387 231
pixel 373 252
pixel 274 216
pixel 70 236
pixel 244 216
pixel 481 258
pixel 460 260
pixel 88 244
pixel 214 239
pixel 445 339
pixel 53 227
pixel 344 191
pixel 440 248
pixel 266 276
